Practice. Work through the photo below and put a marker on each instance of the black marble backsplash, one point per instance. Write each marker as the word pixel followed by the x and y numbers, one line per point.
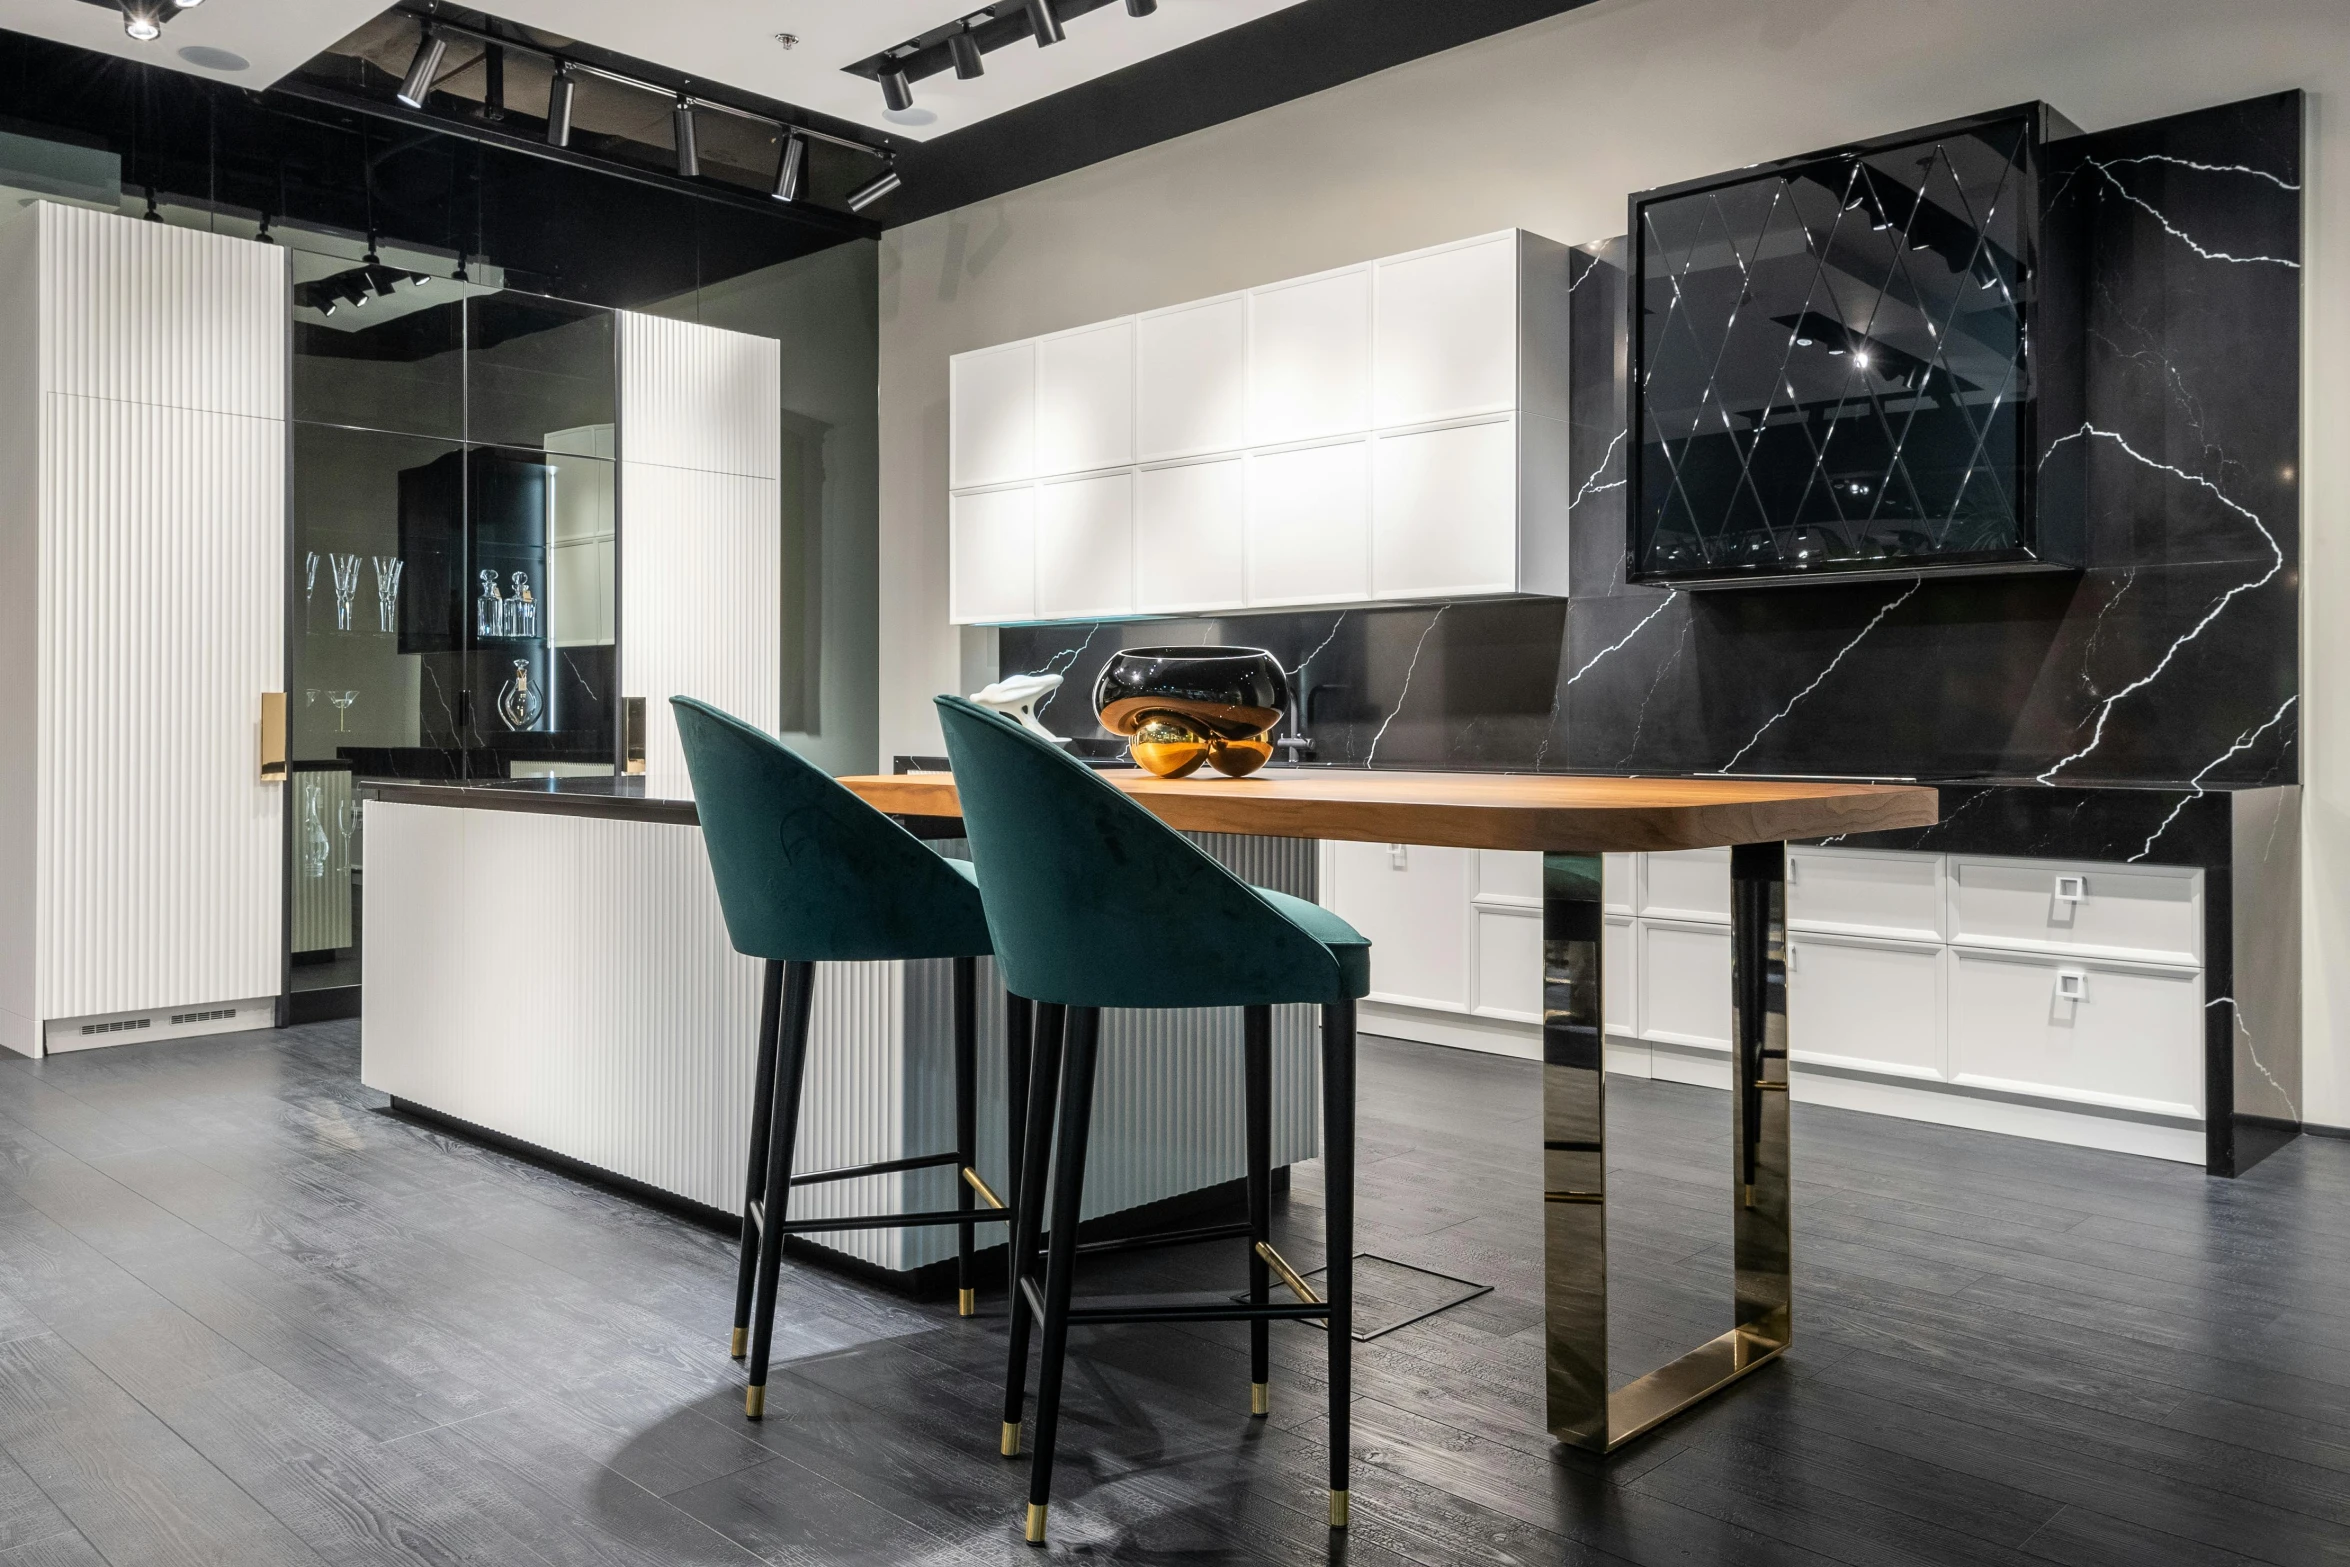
pixel 2171 659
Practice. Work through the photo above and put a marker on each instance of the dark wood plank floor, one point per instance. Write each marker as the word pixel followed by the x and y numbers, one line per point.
pixel 246 1317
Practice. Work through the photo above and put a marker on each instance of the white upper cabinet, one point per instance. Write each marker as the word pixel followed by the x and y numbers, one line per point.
pixel 992 562
pixel 1446 345
pixel 1085 547
pixel 1388 432
pixel 991 422
pixel 1085 399
pixel 1191 382
pixel 1310 358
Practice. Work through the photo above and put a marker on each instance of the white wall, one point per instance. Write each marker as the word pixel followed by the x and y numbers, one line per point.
pixel 1548 128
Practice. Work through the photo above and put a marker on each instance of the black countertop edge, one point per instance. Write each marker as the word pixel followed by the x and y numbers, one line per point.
pixel 612 799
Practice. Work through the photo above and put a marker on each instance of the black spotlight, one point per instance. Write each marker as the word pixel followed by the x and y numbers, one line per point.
pixel 689 162
pixel 896 91
pixel 964 46
pixel 416 86
pixel 791 167
pixel 559 93
pixel 1045 22
pixel 1141 7
pixel 866 195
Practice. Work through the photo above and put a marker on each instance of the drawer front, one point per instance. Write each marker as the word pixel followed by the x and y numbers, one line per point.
pixel 1509 963
pixel 2152 913
pixel 1510 874
pixel 1863 1003
pixel 1620 882
pixel 1619 975
pixel 1686 884
pixel 1684 984
pixel 1865 893
pixel 2095 1032
pixel 1412 901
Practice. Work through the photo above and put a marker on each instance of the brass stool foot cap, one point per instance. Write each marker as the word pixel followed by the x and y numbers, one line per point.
pixel 1338 1500
pixel 1260 1398
pixel 1011 1439
pixel 755 1402
pixel 1036 1523
pixel 740 1345
pixel 967 1302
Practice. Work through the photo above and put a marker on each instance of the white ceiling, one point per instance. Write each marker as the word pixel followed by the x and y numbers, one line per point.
pixel 730 43
pixel 733 42
pixel 271 36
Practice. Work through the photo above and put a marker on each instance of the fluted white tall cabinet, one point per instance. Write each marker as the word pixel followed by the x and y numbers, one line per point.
pixel 142 548
pixel 701 553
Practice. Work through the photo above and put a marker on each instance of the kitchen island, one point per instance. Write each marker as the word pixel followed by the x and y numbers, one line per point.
pixel 546 961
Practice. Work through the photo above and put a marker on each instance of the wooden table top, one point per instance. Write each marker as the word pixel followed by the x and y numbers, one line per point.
pixel 1481 810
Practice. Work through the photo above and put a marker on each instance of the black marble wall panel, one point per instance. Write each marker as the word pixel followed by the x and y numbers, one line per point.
pixel 2171 659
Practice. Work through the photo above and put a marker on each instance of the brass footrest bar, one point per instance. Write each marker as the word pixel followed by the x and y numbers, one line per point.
pixel 986 1193
pixel 850 1172
pixel 891 1221
pixel 1206 1307
pixel 1289 1275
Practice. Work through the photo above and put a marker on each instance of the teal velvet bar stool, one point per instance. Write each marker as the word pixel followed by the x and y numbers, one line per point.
pixel 808 873
pixel 1093 902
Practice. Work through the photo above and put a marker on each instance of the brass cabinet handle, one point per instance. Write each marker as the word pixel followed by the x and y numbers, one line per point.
pixel 273 737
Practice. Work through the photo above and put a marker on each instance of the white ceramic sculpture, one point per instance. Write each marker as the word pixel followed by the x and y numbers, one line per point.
pixel 1016 699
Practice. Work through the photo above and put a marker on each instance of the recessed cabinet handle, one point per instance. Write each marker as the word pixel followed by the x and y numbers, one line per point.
pixel 1398 857
pixel 2071 889
pixel 1792 951
pixel 273 735
pixel 2072 984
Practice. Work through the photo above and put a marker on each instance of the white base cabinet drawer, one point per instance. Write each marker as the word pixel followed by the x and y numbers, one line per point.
pixel 2150 913
pixel 1864 892
pixel 1876 1005
pixel 2099 1032
pixel 1412 901
pixel 1684 984
pixel 1687 884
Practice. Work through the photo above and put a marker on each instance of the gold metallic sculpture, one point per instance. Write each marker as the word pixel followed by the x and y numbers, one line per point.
pixel 1182 708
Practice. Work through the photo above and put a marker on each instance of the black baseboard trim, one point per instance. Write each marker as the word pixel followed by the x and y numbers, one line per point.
pixel 931 1281
pixel 2313 1129
pixel 327 1004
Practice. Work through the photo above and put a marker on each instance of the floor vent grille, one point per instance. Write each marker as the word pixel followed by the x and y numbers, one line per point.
pixel 202 1017
pixel 118 1025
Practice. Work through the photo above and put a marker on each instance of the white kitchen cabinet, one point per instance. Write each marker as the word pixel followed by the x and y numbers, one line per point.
pixel 991 416
pixel 2152 913
pixel 1085 399
pixel 2106 1033
pixel 992 570
pixel 1946 988
pixel 1433 382
pixel 1309 524
pixel 1191 379
pixel 1085 547
pixel 1446 335
pixel 1876 1005
pixel 1190 536
pixel 1310 358
pixel 1443 507
pixel 1413 902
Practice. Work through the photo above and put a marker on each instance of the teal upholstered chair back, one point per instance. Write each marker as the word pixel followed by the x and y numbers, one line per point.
pixel 806 871
pixel 1094 902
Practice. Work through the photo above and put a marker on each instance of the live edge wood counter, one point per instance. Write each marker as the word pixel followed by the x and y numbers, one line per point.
pixel 1572 822
pixel 1483 811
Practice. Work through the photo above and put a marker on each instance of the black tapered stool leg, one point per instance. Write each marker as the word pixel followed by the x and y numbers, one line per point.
pixel 1044 1078
pixel 1085 1027
pixel 1338 1206
pixel 755 1179
pixel 1019 1036
pixel 1257 1048
pixel 966 1124
pixel 791 1061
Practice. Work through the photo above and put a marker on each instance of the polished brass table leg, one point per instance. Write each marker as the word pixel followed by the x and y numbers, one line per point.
pixel 1574 1155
